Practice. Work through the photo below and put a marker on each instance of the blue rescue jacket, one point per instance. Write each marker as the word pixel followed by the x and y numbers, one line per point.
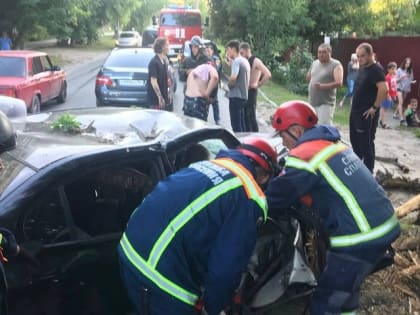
pixel 197 229
pixel 354 209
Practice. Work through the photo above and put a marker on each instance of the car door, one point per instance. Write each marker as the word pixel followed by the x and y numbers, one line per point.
pixel 53 77
pixel 73 226
pixel 40 79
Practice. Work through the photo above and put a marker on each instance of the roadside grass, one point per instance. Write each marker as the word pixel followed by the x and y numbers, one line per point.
pixel 57 59
pixel 278 94
pixel 105 42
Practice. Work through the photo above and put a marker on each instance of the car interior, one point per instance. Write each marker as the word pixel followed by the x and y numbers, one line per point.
pixel 72 211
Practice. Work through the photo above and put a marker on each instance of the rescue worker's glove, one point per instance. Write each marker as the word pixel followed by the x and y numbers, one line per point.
pixel 8 244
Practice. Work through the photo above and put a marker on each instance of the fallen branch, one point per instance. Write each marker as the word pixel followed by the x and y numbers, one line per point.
pixel 411 270
pixel 406 291
pixel 410 206
pixel 394 161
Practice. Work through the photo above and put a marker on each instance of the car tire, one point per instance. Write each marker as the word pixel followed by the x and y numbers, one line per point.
pixel 63 94
pixel 35 107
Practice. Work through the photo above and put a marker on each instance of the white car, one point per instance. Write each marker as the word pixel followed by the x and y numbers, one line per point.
pixel 128 39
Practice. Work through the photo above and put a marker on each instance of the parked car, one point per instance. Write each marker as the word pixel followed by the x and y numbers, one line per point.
pixel 122 79
pixel 186 53
pixel 31 77
pixel 67 198
pixel 149 35
pixel 128 39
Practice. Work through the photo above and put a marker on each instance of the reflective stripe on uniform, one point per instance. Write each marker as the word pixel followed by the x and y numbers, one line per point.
pixel 186 215
pixel 1 238
pixel 148 268
pixel 319 162
pixel 155 276
pixel 358 238
pixel 251 187
pixel 349 313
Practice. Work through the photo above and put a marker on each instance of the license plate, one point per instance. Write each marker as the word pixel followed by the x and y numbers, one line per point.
pixel 133 82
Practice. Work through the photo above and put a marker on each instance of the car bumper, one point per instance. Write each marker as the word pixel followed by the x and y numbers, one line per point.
pixel 121 97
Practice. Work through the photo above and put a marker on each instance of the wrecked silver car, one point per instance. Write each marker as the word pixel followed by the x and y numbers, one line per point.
pixel 68 195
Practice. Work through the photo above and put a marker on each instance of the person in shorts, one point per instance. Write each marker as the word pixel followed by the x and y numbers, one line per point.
pixel 391 82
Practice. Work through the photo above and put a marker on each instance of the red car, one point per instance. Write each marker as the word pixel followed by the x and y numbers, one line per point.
pixel 31 76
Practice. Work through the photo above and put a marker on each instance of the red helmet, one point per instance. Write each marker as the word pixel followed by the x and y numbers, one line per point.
pixel 261 151
pixel 294 113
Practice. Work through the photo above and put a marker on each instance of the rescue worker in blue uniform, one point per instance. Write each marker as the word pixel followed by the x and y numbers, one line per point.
pixel 193 235
pixel 355 212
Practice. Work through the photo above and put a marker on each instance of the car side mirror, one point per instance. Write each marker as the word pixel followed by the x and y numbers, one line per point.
pixel 207 21
pixel 55 68
pixel 154 21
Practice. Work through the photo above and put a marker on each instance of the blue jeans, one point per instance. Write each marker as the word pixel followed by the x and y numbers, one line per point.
pixel 216 111
pixel 237 113
pixel 350 88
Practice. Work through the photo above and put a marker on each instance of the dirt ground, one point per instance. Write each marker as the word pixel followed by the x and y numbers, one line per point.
pixel 395 290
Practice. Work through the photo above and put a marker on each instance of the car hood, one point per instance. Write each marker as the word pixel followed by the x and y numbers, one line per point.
pixel 100 129
pixel 118 126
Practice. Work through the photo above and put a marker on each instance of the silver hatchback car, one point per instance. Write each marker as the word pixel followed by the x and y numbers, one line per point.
pixel 128 39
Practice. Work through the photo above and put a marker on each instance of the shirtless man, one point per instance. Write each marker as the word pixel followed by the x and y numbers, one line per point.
pixel 201 84
pixel 259 76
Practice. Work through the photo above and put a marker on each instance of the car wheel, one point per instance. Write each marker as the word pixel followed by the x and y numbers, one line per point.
pixel 35 107
pixel 63 94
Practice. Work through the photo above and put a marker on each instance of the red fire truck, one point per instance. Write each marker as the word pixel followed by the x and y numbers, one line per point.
pixel 178 24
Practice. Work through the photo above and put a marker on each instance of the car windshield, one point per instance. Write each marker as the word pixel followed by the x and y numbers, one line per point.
pixel 12 67
pixel 126 35
pixel 134 60
pixel 180 19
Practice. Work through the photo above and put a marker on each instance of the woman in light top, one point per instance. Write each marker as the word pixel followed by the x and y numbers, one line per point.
pixel 405 78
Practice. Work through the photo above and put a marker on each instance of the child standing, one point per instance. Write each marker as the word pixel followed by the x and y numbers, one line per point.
pixel 391 81
pixel 411 114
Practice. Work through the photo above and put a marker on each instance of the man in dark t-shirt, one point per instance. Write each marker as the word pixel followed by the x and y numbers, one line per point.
pixel 157 82
pixel 369 92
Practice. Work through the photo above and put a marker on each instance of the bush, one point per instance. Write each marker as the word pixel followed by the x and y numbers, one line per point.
pixel 292 74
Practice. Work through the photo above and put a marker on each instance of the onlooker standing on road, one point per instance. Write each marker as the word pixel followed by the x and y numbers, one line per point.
pixel 392 93
pixel 352 70
pixel 218 65
pixel 201 84
pixel 238 85
pixel 369 92
pixel 5 41
pixel 324 77
pixel 405 78
pixel 198 57
pixel 157 82
pixel 259 76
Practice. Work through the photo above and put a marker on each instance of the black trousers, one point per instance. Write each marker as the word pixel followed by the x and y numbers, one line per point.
pixel 362 137
pixel 250 111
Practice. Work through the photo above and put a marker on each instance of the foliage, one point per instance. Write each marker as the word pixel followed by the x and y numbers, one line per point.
pixel 292 74
pixel 66 123
pixel 393 15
